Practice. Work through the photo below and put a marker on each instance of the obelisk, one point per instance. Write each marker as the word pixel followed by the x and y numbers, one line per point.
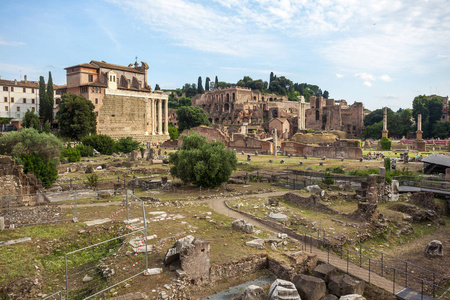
pixel 275 146
pixel 384 132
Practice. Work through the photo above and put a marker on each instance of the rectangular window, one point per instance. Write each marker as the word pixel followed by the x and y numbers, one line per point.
pixel 32 90
pixel 84 89
pixel 92 89
pixel 24 100
pixel 5 88
pixel 100 90
pixel 96 100
pixel 12 89
pixel 6 108
pixel 12 99
pixel 91 78
pixel 32 101
pixel 18 108
pixel 24 90
pixel 6 99
pixel 32 109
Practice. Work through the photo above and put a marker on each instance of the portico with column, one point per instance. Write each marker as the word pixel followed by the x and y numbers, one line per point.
pixel 157 116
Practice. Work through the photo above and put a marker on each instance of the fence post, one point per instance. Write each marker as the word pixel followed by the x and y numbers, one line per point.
pixel 360 255
pixel 347 261
pixel 342 251
pixel 393 284
pixel 434 278
pixel 310 243
pixel 128 211
pixel 67 277
pixel 146 242
pixel 421 296
pixel 406 274
pixel 382 264
pixel 11 223
pixel 304 239
pixel 369 269
pixel 75 217
pixel 328 248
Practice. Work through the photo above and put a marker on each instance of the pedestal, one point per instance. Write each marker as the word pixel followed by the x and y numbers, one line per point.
pixel 384 133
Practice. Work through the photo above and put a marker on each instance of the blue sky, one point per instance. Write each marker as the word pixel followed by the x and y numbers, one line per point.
pixel 382 53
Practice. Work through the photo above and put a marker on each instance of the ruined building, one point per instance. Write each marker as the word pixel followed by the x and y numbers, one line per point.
pixel 328 114
pixel 237 105
pixel 124 102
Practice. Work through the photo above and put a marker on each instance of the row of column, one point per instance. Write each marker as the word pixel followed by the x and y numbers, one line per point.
pixel 156 109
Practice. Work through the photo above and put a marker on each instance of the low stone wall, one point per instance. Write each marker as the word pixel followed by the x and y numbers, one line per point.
pixel 238 267
pixel 312 201
pixel 249 144
pixel 210 133
pixel 281 271
pixel 320 151
pixel 173 144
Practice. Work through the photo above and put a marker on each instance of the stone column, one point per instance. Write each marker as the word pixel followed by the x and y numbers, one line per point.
pixel 160 132
pixel 384 132
pixel 275 141
pixel 153 116
pixel 166 117
pixel 301 114
pixel 419 127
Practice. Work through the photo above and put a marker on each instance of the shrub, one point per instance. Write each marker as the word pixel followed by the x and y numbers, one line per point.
pixel 126 145
pixel 338 170
pixel 363 173
pixel 72 154
pixel 85 151
pixel 328 178
pixel 44 168
pixel 92 180
pixel 387 164
pixel 385 143
pixel 100 142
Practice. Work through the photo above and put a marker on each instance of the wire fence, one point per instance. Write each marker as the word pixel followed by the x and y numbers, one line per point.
pixel 382 269
pixel 93 270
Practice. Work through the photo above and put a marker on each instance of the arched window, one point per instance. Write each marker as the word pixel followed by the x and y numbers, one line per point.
pixel 317 115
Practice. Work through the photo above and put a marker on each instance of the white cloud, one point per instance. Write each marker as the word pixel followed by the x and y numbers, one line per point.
pixel 386 78
pixel 10 43
pixel 339 76
pixel 367 83
pixel 365 76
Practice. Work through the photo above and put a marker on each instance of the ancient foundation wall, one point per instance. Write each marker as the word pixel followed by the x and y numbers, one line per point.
pixel 210 133
pixel 249 144
pixel 238 267
pixel 318 151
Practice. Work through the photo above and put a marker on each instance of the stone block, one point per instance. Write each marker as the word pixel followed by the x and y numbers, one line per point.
pixel 352 297
pixel 283 290
pixel 330 297
pixel 345 285
pixel 325 272
pixel 254 292
pixel 310 287
pixel 2 223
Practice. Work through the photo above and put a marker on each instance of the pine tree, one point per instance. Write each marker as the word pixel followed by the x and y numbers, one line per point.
pixel 200 89
pixel 216 83
pixel 42 97
pixel 207 84
pixel 50 98
pixel 157 88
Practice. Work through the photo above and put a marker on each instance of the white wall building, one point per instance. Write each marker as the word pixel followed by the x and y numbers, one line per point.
pixel 16 97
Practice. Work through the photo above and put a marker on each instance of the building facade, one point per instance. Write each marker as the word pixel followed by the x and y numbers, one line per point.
pixel 16 97
pixel 124 103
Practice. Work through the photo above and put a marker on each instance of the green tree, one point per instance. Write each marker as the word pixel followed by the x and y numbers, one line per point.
pixel 126 145
pixel 157 88
pixel 76 116
pixel 191 116
pixel 326 94
pixel 50 99
pixel 441 129
pixel 374 131
pixel 200 89
pixel 42 97
pixel 216 83
pixel 207 84
pixel 29 140
pixel 201 163
pixel 42 167
pixel 100 142
pixel 434 107
pixel 30 120
pixel 173 132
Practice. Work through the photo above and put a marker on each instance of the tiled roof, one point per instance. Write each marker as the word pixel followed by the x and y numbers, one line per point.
pixel 106 65
pixel 83 65
pixel 23 84
pixel 97 84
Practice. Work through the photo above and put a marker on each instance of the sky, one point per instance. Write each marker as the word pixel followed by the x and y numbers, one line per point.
pixel 380 52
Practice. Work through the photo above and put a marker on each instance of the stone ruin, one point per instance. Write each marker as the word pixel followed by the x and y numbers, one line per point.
pixel 190 256
pixel 13 181
pixel 369 195
pixel 242 225
pixel 434 249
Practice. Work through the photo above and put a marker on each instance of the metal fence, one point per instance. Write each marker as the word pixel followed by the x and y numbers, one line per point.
pixel 34 209
pixel 95 269
pixel 381 268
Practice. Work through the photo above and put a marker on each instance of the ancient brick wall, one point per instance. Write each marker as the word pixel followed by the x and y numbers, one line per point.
pixel 210 133
pixel 249 144
pixel 13 181
pixel 238 267
pixel 319 151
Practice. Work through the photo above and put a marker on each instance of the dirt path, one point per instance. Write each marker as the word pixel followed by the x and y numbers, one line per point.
pixel 343 265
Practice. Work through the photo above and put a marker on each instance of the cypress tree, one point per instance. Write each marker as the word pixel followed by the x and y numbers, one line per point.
pixel 200 89
pixel 216 83
pixel 42 97
pixel 271 79
pixel 207 84
pixel 50 98
pixel 157 88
